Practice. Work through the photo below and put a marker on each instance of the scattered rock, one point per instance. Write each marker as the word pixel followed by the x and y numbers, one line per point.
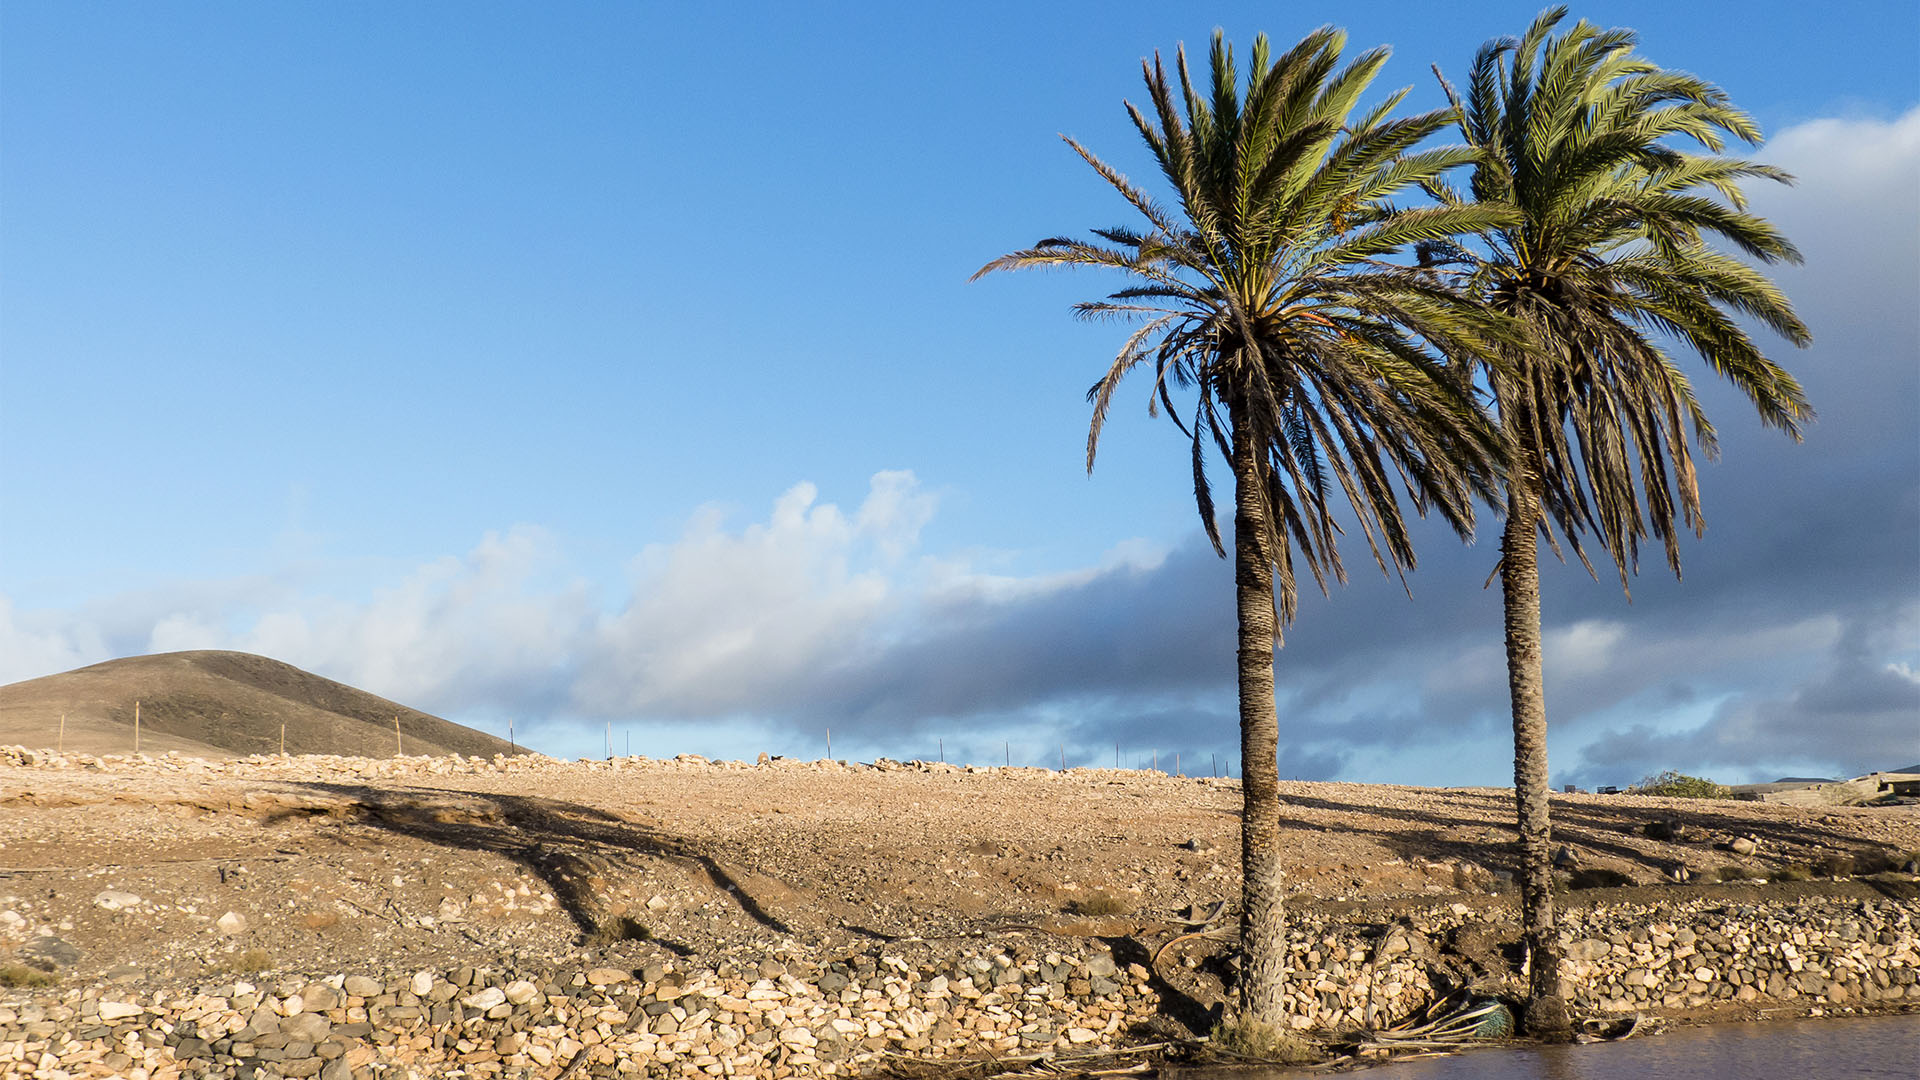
pixel 114 900
pixel 306 1026
pixel 486 999
pixel 232 924
pixel 1668 830
pixel 49 952
pixel 319 997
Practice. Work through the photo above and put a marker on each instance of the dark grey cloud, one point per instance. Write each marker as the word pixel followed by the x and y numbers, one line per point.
pixel 1792 608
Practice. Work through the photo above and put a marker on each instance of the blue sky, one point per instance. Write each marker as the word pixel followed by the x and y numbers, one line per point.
pixel 617 364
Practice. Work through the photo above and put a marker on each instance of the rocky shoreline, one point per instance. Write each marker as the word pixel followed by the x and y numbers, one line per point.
pixel 859 1015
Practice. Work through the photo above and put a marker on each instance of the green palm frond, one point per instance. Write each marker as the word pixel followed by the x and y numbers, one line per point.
pixel 1609 260
pixel 1269 295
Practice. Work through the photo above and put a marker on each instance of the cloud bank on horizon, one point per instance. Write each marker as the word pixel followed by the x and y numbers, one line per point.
pixel 1792 646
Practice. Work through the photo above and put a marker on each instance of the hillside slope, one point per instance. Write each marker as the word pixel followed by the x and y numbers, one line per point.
pixel 220 704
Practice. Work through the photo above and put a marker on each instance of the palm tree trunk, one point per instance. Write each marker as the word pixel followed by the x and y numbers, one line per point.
pixel 1546 1011
pixel 1263 934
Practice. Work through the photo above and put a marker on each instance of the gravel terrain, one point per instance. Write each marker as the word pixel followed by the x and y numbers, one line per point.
pixel 173 868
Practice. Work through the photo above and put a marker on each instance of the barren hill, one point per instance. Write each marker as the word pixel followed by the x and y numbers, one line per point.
pixel 220 704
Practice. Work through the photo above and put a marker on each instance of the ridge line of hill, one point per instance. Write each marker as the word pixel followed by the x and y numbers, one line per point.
pixel 216 703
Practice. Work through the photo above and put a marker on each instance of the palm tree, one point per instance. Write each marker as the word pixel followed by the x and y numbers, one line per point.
pixel 1310 359
pixel 1605 265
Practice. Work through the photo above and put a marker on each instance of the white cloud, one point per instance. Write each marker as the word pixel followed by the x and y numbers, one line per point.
pixel 1585 648
pixel 36 645
pixel 718 620
pixel 1876 159
pixel 460 631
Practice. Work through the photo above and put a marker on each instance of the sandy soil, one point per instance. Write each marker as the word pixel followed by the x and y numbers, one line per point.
pixel 338 863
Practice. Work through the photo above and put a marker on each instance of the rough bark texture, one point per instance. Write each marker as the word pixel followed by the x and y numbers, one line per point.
pixel 1263 887
pixel 1546 1011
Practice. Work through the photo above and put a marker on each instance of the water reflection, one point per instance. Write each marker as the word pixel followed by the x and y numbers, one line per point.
pixel 1854 1049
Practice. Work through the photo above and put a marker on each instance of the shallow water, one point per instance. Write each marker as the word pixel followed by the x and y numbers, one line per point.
pixel 1855 1048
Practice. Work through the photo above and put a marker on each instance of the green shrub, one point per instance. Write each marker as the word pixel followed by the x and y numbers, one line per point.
pixel 1675 785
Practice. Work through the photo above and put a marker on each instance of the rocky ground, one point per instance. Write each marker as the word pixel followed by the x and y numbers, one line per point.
pixel 180 872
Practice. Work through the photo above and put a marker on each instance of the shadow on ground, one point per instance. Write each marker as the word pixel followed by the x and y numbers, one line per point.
pixel 579 851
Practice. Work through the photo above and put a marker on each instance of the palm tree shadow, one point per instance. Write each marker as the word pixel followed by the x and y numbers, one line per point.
pixel 1175 1003
pixel 1598 828
pixel 576 850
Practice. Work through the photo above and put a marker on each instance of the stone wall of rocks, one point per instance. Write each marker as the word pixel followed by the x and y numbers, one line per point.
pixel 843 1018
pixel 839 1019
pixel 1685 955
pixel 1625 958
pixel 310 766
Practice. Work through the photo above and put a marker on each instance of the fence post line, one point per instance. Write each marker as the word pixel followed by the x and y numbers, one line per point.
pixel 60 747
pixel 136 727
pixel 943 750
pixel 1007 747
pixel 829 744
pixel 399 746
pixel 283 738
pixel 1063 757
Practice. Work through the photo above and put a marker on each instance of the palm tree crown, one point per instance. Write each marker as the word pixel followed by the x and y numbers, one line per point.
pixel 1265 294
pixel 1606 261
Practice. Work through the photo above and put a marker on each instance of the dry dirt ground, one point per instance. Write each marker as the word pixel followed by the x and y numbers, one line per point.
pixel 339 864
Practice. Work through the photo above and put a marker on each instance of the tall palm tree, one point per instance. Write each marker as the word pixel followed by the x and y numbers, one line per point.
pixel 1310 358
pixel 1606 265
